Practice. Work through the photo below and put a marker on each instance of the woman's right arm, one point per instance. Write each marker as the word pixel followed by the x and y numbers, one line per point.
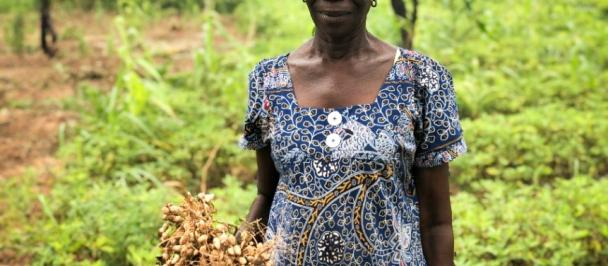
pixel 267 180
pixel 255 137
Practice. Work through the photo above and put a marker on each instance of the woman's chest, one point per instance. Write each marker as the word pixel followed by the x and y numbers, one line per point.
pixel 382 131
pixel 336 89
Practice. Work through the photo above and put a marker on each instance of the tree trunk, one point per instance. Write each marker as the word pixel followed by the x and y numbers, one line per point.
pixel 409 21
pixel 46 29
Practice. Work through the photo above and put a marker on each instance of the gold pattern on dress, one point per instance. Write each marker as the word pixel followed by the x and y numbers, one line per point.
pixel 365 180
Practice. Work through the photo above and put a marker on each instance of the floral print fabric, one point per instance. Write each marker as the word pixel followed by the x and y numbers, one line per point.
pixel 346 195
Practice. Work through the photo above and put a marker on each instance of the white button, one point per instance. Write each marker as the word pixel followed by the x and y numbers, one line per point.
pixel 333 140
pixel 334 118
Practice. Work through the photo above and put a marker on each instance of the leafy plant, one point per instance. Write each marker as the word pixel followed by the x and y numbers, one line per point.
pixel 535 146
pixel 233 199
pixel 505 224
pixel 18 198
pixel 162 126
pixel 15 33
pixel 533 55
pixel 100 222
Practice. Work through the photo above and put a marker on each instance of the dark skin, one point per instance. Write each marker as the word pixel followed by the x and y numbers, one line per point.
pixel 344 65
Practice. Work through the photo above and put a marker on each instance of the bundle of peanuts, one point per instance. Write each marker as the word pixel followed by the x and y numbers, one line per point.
pixel 190 236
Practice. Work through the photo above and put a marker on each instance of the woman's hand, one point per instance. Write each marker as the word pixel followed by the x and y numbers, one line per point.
pixel 432 187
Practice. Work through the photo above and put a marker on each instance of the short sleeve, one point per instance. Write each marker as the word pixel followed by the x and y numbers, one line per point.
pixel 255 126
pixel 438 132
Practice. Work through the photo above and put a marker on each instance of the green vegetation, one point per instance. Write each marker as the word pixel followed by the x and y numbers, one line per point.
pixel 506 224
pixel 537 145
pixel 107 222
pixel 531 83
pixel 15 33
pixel 149 127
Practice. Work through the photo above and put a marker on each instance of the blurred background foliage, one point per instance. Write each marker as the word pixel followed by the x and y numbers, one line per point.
pixel 531 83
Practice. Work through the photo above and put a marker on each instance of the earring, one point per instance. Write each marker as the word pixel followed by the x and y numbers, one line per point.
pixel 374 3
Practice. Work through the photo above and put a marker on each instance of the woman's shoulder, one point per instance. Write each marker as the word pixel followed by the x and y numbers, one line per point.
pixel 269 64
pixel 426 73
pixel 422 69
pixel 420 60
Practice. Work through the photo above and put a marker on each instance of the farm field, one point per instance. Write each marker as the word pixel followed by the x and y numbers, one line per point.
pixel 144 102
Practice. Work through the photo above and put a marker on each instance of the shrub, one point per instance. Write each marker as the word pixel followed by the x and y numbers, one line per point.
pixel 535 54
pixel 18 197
pixel 505 224
pixel 535 146
pixel 160 125
pixel 99 222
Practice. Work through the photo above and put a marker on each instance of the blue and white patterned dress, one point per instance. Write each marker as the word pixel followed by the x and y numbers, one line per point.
pixel 346 195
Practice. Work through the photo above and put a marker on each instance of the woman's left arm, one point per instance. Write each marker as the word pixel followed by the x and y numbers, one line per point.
pixel 432 187
pixel 439 140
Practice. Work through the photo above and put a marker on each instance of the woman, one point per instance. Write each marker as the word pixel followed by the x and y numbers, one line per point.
pixel 353 137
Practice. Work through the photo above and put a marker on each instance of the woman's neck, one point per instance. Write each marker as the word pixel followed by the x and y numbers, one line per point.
pixel 329 48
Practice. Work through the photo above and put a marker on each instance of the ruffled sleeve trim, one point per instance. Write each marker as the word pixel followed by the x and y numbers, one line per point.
pixel 441 155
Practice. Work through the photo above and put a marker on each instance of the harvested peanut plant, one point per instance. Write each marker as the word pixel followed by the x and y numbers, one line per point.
pixel 190 236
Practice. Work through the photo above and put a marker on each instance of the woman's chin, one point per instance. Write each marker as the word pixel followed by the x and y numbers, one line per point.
pixel 336 28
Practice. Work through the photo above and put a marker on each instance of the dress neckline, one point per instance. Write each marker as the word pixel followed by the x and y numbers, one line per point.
pixel 338 108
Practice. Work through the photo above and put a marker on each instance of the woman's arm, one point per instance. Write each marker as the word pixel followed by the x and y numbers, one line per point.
pixel 432 187
pixel 267 180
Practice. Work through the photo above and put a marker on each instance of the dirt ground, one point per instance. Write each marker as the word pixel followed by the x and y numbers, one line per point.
pixel 32 87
